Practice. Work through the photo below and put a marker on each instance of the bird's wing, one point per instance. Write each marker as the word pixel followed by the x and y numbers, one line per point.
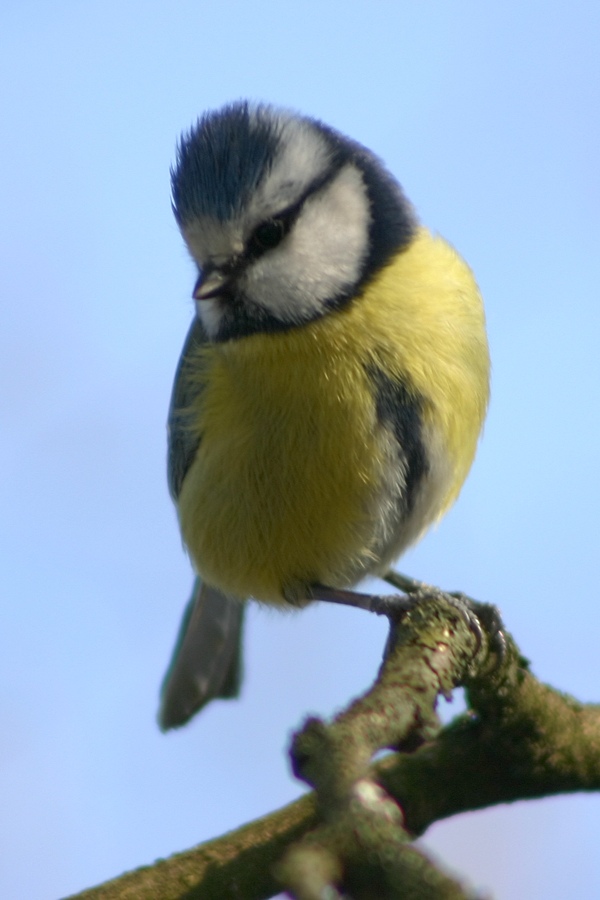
pixel 182 441
pixel 206 659
pixel 206 662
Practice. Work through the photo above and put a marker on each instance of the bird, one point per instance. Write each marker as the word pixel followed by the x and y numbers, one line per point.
pixel 332 387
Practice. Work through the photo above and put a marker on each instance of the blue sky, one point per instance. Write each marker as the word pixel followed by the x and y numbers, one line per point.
pixel 488 115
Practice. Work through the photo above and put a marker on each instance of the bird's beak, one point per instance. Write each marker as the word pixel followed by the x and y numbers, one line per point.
pixel 211 284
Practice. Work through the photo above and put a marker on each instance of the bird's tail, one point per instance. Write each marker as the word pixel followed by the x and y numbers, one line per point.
pixel 207 658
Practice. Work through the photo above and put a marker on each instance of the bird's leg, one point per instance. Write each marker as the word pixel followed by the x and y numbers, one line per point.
pixel 392 606
pixel 396 605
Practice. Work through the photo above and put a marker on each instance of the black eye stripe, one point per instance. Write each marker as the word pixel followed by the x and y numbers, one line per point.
pixel 268 234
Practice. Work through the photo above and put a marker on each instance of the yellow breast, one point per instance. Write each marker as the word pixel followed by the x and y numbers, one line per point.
pixel 287 484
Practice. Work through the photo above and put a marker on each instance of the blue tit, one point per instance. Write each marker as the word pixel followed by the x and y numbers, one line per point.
pixel 332 386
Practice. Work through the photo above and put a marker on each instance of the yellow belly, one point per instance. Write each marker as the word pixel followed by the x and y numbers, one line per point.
pixel 288 485
pixel 282 490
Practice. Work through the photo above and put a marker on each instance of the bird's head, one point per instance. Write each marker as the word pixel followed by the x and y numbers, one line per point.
pixel 285 218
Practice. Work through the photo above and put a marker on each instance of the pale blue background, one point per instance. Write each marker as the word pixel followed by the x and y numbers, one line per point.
pixel 488 114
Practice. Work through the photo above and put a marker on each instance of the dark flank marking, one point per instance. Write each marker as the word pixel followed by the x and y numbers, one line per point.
pixel 400 409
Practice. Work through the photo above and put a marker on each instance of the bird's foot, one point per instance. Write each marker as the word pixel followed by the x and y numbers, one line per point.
pixel 479 617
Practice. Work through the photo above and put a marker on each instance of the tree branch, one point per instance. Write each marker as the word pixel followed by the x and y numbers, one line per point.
pixel 238 864
pixel 520 739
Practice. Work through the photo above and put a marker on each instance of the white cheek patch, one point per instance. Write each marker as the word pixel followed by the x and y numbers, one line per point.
pixel 322 256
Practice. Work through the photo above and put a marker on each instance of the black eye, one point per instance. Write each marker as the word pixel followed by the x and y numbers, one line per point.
pixel 268 234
